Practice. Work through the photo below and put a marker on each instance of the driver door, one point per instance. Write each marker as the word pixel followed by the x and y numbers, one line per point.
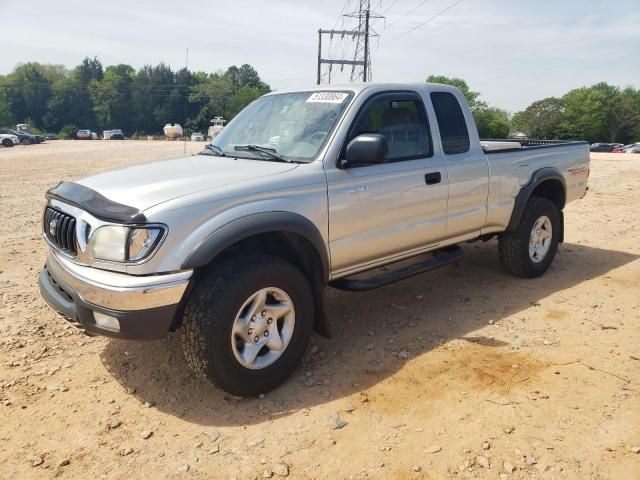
pixel 378 212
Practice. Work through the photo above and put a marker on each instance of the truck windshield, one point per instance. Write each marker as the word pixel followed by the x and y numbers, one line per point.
pixel 294 126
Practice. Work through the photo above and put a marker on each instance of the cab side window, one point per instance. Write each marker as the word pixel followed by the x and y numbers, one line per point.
pixel 451 122
pixel 401 121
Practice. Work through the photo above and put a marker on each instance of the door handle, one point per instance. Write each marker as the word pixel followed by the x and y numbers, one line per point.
pixel 432 178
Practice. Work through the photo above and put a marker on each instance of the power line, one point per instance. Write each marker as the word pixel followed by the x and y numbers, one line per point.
pixel 340 17
pixel 408 13
pixel 424 23
pixel 389 7
pixel 344 7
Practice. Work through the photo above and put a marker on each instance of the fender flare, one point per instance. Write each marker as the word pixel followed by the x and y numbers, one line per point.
pixel 539 176
pixel 245 227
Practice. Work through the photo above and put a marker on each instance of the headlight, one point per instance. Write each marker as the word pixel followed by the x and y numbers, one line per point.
pixel 108 243
pixel 124 244
pixel 142 241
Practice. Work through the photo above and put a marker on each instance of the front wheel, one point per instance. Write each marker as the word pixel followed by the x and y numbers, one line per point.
pixel 247 323
pixel 7 142
pixel 529 250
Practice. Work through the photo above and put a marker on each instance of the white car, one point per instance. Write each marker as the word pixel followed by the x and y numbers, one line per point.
pixel 8 140
pixel 197 137
pixel 633 149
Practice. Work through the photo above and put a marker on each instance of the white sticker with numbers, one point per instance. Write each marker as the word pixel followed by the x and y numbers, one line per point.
pixel 327 97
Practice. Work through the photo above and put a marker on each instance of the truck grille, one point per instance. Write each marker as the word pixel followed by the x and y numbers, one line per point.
pixel 60 230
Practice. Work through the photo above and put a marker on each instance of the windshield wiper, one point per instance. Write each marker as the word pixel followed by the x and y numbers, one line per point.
pixel 271 152
pixel 215 149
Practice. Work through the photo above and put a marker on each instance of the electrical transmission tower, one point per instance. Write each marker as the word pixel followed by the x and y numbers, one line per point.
pixel 360 36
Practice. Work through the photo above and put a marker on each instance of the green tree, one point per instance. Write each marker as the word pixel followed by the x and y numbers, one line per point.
pixel 6 117
pixel 29 91
pixel 211 95
pixel 492 123
pixel 225 94
pixel 89 70
pixel 541 119
pixel 112 97
pixel 473 98
pixel 243 97
pixel 63 107
pixel 68 131
pixel 587 112
pixel 623 116
pixel 88 96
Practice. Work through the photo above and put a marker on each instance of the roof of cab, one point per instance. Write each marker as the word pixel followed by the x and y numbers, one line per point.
pixel 360 87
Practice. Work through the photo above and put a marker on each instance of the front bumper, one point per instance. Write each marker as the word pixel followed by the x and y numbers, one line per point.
pixel 144 306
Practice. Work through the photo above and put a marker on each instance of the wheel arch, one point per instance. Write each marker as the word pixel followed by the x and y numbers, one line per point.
pixel 284 234
pixel 547 183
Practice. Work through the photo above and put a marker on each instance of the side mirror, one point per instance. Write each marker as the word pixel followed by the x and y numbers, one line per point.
pixel 366 149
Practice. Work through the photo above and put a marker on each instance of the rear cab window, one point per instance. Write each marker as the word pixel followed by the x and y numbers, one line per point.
pixel 451 123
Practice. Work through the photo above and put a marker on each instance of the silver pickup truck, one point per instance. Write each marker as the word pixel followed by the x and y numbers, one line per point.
pixel 302 190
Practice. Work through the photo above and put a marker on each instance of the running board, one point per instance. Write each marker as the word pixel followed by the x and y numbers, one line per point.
pixel 440 258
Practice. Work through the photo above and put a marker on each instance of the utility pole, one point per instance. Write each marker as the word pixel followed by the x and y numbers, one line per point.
pixel 186 94
pixel 332 62
pixel 319 55
pixel 361 63
pixel 367 59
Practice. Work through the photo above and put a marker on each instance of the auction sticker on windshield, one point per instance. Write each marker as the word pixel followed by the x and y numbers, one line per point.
pixel 327 97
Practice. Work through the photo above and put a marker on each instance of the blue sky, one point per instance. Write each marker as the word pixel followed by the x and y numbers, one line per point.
pixel 513 52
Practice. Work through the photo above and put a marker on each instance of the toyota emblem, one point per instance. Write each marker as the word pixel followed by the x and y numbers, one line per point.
pixel 52 227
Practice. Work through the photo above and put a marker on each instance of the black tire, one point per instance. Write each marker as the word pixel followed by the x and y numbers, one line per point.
pixel 7 142
pixel 25 141
pixel 513 247
pixel 212 307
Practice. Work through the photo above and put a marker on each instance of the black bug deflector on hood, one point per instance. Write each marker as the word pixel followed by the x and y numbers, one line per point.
pixel 97 205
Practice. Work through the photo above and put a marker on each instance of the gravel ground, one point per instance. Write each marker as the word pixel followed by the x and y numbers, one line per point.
pixel 464 372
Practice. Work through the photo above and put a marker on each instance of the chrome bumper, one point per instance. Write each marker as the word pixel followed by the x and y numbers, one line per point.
pixel 119 291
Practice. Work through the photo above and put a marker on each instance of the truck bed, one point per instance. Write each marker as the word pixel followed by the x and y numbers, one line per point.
pixel 500 146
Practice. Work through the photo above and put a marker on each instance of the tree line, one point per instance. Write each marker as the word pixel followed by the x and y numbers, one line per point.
pixel 599 113
pixel 53 98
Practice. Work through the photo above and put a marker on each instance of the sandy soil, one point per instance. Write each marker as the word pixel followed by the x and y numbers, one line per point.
pixel 465 372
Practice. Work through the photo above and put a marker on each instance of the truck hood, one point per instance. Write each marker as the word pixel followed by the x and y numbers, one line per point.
pixel 145 185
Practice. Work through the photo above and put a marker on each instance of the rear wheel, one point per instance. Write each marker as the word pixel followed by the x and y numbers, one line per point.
pixel 247 323
pixel 7 142
pixel 529 250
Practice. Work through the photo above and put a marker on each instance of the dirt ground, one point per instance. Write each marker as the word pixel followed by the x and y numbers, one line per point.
pixel 464 372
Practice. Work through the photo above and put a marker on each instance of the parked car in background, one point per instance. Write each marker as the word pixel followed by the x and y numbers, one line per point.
pixel 197 137
pixel 26 128
pixel 23 137
pixel 621 149
pixel 633 149
pixel 84 135
pixel 8 140
pixel 601 147
pixel 50 136
pixel 116 134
